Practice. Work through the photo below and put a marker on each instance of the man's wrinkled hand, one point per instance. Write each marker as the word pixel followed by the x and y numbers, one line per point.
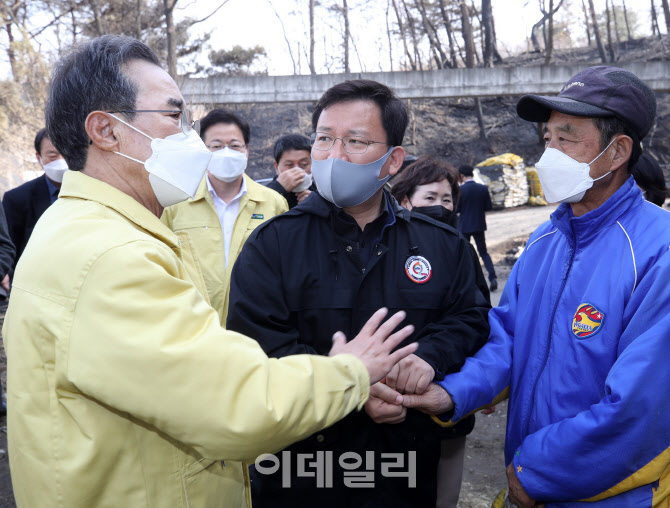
pixel 516 492
pixel 385 405
pixel 291 178
pixel 434 401
pixel 411 375
pixel 375 343
pixel 5 283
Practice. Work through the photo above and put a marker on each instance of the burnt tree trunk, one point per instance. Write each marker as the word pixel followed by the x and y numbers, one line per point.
pixel 312 67
pixel 587 23
pixel 596 32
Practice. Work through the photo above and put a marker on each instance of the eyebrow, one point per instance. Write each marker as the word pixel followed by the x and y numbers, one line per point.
pixel 233 138
pixel 361 132
pixel 567 128
pixel 177 103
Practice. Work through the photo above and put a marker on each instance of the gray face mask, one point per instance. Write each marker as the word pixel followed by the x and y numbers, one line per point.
pixel 348 184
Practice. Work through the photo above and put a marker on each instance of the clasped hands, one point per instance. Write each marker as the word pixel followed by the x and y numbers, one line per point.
pixel 409 384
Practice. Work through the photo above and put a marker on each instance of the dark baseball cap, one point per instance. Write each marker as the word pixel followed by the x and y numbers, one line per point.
pixel 597 92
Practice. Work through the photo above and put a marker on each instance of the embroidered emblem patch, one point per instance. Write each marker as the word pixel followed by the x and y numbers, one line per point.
pixel 257 216
pixel 418 269
pixel 587 321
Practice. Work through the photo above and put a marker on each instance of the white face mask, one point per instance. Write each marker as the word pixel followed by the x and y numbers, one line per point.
pixel 227 165
pixel 176 166
pixel 563 179
pixel 305 183
pixel 55 169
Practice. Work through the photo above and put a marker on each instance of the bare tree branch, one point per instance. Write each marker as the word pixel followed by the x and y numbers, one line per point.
pixel 214 12
pixel 283 29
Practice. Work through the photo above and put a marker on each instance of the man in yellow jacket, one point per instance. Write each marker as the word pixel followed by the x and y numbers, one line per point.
pixel 123 389
pixel 227 207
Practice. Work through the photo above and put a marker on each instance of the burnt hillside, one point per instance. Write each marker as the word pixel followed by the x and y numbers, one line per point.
pixel 448 127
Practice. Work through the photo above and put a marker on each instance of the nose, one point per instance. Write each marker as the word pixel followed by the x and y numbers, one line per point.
pixel 337 151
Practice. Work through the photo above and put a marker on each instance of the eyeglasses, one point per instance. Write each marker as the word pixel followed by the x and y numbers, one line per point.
pixel 187 123
pixel 238 147
pixel 351 144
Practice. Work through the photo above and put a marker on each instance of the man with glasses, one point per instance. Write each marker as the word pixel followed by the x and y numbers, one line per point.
pixel 123 388
pixel 326 265
pixel 227 207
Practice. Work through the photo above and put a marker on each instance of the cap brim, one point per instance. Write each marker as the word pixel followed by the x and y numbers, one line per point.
pixel 538 108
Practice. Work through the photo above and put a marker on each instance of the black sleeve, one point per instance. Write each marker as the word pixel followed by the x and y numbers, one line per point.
pixel 480 280
pixel 489 205
pixel 12 229
pixel 277 187
pixel 263 314
pixel 463 328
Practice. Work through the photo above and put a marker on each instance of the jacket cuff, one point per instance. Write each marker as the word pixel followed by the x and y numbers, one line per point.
pixel 359 374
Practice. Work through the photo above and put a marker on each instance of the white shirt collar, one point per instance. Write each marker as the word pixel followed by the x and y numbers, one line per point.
pixel 215 196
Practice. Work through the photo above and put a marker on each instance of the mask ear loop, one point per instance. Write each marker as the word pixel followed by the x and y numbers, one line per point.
pixel 610 144
pixel 135 129
pixel 143 134
pixel 601 177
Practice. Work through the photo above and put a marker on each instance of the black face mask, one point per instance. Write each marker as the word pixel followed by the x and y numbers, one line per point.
pixel 439 213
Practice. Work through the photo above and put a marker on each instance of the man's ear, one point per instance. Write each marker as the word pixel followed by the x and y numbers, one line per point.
pixel 276 167
pixel 100 129
pixel 622 149
pixel 396 159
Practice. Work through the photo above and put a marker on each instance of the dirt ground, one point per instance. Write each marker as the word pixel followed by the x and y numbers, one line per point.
pixel 484 471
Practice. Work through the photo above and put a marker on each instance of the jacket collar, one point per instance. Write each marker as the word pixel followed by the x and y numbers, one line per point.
pixel 587 226
pixel 78 185
pixel 316 204
pixel 251 194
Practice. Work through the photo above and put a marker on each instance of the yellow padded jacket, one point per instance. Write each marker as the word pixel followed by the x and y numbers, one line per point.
pixel 123 389
pixel 199 219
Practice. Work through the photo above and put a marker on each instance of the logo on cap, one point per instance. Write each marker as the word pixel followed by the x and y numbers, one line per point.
pixel 587 321
pixel 574 83
pixel 418 269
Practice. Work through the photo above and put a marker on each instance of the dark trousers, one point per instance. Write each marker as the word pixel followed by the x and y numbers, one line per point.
pixel 480 242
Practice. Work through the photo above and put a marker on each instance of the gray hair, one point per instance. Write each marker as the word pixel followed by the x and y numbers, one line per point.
pixel 90 79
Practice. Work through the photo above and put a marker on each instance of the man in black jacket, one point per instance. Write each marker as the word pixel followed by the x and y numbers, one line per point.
pixel 293 165
pixel 474 203
pixel 327 265
pixel 6 260
pixel 25 204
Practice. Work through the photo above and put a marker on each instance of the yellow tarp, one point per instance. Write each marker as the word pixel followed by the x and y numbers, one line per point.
pixel 510 159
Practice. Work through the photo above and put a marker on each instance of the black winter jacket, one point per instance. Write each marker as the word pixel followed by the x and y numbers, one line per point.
pixel 296 282
pixel 290 196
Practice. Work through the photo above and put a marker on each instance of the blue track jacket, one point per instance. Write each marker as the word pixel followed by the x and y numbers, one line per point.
pixel 582 340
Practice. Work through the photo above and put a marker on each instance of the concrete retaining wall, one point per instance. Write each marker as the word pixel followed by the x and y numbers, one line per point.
pixel 408 85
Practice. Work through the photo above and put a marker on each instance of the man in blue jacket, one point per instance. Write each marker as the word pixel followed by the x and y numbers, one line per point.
pixel 579 342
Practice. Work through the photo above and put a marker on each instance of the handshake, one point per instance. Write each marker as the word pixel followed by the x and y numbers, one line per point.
pixel 399 379
pixel 408 385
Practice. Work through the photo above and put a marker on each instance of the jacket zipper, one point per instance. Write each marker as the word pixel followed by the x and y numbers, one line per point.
pixel 551 332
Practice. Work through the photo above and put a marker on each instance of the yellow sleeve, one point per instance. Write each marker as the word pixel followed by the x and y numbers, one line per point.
pixel 144 342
